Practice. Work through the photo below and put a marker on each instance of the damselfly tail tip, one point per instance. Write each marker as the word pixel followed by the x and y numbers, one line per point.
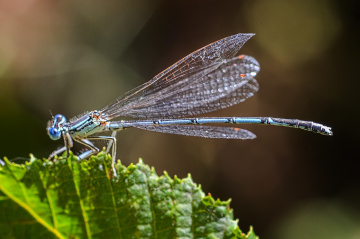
pixel 327 131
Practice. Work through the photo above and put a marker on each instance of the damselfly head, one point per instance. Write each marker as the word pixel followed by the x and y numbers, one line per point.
pixel 55 126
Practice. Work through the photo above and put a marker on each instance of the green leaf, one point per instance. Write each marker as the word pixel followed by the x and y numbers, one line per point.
pixel 67 198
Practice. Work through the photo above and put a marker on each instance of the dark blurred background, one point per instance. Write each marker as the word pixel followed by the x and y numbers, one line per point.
pixel 73 56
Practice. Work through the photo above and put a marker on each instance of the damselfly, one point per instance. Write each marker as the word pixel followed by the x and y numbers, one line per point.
pixel 208 79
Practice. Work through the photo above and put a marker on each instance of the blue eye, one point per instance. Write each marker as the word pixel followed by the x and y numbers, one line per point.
pixel 54 133
pixel 55 126
pixel 59 119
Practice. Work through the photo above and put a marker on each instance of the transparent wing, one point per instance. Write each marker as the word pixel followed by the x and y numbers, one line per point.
pixel 190 77
pixel 229 84
pixel 201 131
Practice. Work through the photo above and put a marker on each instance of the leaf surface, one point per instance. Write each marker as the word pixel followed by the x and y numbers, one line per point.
pixel 67 198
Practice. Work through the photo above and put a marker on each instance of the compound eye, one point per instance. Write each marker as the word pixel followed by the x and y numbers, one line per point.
pixel 54 133
pixel 59 119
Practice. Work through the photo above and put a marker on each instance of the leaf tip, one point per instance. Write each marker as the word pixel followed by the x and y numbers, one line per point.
pixel 251 234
